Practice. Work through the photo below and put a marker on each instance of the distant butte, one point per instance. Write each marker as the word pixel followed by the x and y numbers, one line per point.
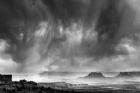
pixel 95 75
pixel 120 75
pixel 128 74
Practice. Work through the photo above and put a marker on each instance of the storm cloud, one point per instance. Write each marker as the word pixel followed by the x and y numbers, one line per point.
pixel 68 34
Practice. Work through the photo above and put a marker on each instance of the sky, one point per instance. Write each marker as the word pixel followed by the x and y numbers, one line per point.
pixel 69 36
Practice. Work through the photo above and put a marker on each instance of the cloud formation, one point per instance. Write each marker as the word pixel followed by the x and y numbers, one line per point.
pixel 69 35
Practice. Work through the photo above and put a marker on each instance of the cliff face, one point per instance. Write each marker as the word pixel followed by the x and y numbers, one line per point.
pixel 95 75
pixel 5 78
pixel 129 74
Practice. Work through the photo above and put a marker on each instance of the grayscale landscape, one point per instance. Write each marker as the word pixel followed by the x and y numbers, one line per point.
pixel 69 46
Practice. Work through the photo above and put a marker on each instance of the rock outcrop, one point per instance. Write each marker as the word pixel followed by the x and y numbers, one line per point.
pixel 5 78
pixel 95 75
pixel 129 74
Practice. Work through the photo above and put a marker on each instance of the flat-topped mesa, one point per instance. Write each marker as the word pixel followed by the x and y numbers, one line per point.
pixel 129 74
pixel 5 78
pixel 95 75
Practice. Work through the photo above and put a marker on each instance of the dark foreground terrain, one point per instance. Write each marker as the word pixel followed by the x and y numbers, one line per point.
pixel 24 86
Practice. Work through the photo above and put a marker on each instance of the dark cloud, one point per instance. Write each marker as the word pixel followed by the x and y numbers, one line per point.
pixel 74 10
pixel 17 23
pixel 108 28
pixel 65 29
